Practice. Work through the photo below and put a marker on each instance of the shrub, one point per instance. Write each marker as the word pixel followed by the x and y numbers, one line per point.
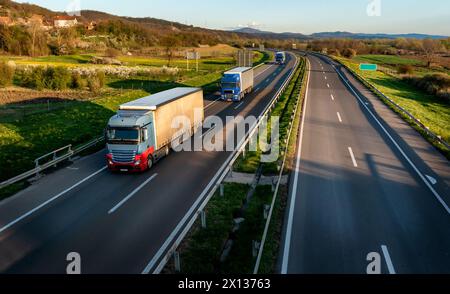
pixel 436 84
pixel 112 53
pixel 77 81
pixel 55 78
pixel 405 69
pixel 96 82
pixel 349 52
pixel 6 74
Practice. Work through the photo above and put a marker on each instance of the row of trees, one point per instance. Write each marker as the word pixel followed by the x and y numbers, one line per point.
pixel 350 47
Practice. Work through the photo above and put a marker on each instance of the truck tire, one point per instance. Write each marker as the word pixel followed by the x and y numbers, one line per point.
pixel 149 162
pixel 167 151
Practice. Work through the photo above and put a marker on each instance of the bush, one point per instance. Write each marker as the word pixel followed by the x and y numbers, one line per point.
pixel 112 53
pixel 436 84
pixel 77 81
pixel 405 69
pixel 6 74
pixel 96 82
pixel 55 78
pixel 349 53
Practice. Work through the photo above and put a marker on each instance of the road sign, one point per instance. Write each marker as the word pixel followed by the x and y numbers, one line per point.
pixel 261 47
pixel 368 67
pixel 192 55
pixel 294 46
pixel 244 58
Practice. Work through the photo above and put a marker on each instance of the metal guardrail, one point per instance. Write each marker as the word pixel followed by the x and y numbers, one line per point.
pixel 405 112
pixel 161 258
pixel 275 194
pixel 54 161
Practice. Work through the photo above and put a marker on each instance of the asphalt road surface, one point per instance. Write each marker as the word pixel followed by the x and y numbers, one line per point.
pixel 116 222
pixel 365 182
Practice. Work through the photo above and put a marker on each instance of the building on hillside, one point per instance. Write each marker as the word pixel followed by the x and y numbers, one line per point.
pixel 65 21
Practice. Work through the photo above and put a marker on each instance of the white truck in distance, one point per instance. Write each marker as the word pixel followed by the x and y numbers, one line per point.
pixel 141 132
pixel 236 83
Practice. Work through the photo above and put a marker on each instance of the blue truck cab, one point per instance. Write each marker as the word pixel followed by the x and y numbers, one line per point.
pixel 236 83
pixel 280 58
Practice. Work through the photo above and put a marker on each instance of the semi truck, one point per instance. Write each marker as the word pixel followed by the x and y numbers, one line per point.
pixel 141 132
pixel 280 57
pixel 236 83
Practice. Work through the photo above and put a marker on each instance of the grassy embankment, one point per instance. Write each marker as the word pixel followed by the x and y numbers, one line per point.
pixel 202 249
pixel 76 122
pixel 430 110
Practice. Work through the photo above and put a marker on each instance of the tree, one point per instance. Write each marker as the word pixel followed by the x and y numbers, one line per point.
pixel 169 42
pixel 429 48
pixel 349 53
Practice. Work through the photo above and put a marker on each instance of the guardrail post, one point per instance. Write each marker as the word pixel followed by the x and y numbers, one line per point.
pixel 36 165
pixel 255 248
pixel 54 158
pixel 266 211
pixel 222 190
pixel 176 257
pixel 203 219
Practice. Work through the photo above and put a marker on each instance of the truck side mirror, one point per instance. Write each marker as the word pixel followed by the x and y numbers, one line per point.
pixel 145 134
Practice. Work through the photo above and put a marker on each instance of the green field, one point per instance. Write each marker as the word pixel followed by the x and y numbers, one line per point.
pixel 77 122
pixel 433 112
pixel 387 60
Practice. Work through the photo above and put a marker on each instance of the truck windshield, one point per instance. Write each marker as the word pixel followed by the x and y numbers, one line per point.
pixel 122 135
pixel 230 85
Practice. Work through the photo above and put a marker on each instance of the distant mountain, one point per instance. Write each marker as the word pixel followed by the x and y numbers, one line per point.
pixel 265 34
pixel 324 35
pixel 335 35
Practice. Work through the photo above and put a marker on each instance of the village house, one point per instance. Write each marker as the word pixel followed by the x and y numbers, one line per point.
pixel 65 21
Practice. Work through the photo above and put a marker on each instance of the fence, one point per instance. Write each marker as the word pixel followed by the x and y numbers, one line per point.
pixel 57 156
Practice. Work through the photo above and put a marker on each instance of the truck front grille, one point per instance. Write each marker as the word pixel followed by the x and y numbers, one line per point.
pixel 123 156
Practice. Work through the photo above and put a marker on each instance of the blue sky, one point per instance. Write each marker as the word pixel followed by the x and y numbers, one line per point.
pixel 303 16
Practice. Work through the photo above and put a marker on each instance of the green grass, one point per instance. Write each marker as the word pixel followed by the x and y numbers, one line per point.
pixel 432 111
pixel 283 109
pixel 388 60
pixel 201 254
pixel 241 260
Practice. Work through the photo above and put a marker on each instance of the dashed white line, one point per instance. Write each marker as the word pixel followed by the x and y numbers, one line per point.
pixel 212 103
pixel 339 117
pixel 209 131
pixel 332 97
pixel 115 208
pixel 411 163
pixel 328 85
pixel 9 225
pixel 325 77
pixel 350 150
pixel 239 105
pixel 387 257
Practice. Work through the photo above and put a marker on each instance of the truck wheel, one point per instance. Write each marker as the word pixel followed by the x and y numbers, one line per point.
pixel 166 151
pixel 150 162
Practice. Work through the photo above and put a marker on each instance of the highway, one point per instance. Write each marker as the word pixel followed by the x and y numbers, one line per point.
pixel 364 182
pixel 116 222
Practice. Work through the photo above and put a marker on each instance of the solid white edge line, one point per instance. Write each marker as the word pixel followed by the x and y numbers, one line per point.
pixel 388 259
pixel 128 197
pixel 287 242
pixel 436 194
pixel 9 225
pixel 339 117
pixel 350 150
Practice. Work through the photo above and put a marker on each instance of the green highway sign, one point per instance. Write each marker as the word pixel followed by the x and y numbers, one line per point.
pixel 367 66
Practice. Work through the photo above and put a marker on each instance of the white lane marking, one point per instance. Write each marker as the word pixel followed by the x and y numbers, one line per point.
pixel 9 225
pixel 287 243
pixel 268 80
pixel 212 103
pixel 115 208
pixel 332 97
pixel 263 71
pixel 435 193
pixel 257 89
pixel 328 85
pixel 239 105
pixel 339 117
pixel 215 101
pixel 72 168
pixel 387 257
pixel 325 77
pixel 350 150
pixel 432 180
pixel 209 131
